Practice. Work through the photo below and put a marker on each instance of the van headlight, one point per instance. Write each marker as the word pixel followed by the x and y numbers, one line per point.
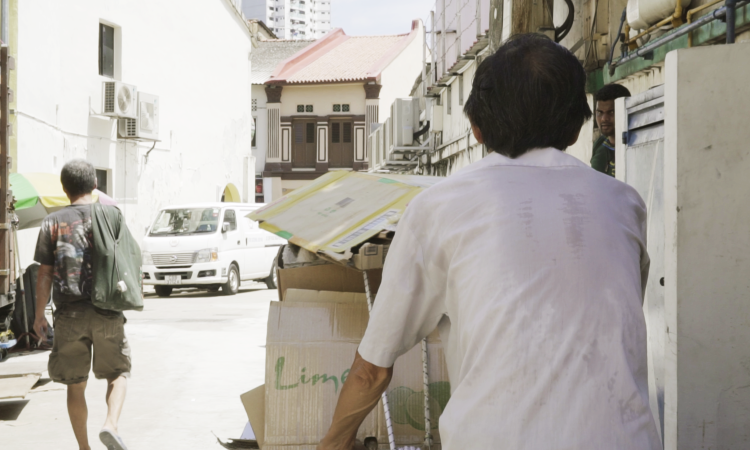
pixel 206 255
pixel 146 259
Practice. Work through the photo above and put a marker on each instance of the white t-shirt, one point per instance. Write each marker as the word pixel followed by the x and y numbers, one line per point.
pixel 534 269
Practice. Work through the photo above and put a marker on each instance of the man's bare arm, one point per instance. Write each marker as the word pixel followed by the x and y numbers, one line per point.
pixel 361 391
pixel 43 289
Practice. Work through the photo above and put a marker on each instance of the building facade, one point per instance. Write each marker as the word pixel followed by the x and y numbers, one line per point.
pixel 202 149
pixel 292 19
pixel 266 56
pixel 321 101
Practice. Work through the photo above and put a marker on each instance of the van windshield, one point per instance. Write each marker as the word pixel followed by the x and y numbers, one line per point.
pixel 186 221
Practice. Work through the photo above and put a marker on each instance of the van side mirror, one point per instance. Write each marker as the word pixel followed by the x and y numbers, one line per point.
pixel 225 227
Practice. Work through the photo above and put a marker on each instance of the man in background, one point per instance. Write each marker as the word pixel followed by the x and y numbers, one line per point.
pixel 64 250
pixel 603 157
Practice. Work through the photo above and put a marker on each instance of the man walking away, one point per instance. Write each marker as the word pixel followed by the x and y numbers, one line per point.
pixel 532 266
pixel 603 156
pixel 64 250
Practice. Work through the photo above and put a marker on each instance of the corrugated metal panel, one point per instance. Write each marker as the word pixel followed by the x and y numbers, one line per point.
pixel 645 117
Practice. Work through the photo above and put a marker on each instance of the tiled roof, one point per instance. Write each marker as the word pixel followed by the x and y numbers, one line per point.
pixel 268 54
pixel 348 61
pixel 337 57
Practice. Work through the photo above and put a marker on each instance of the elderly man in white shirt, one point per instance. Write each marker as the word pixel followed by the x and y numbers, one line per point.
pixel 532 266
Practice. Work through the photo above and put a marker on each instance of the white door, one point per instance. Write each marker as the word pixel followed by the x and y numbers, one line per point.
pixel 231 240
pixel 253 247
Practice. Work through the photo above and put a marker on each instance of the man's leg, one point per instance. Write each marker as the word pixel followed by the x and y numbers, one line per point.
pixel 116 389
pixel 78 413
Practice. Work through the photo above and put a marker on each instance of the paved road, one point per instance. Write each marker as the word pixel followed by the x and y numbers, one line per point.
pixel 193 355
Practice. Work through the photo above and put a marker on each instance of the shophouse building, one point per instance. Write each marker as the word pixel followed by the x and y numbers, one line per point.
pixel 321 101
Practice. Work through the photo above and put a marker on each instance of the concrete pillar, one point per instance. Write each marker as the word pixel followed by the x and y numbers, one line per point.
pixel 706 187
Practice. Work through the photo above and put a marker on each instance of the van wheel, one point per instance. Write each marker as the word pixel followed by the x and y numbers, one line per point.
pixel 272 281
pixel 233 281
pixel 163 291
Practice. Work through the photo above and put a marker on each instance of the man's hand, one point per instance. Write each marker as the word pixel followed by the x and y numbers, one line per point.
pixel 41 326
pixel 361 392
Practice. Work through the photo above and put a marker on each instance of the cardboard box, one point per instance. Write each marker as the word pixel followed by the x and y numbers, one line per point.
pixel 326 277
pixel 303 295
pixel 370 256
pixel 309 349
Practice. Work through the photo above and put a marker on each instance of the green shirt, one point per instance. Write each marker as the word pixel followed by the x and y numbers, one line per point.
pixel 603 157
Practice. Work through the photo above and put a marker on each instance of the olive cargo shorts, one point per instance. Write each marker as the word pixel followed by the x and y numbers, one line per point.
pixel 76 331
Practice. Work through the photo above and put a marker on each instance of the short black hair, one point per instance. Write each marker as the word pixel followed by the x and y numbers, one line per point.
pixel 611 92
pixel 78 177
pixel 530 94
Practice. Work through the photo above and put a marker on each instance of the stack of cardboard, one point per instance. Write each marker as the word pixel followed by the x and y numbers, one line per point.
pixel 338 227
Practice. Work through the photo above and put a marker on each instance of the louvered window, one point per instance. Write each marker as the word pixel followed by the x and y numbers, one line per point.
pixel 310 133
pixel 299 133
pixel 336 132
pixel 347 132
pixel 106 51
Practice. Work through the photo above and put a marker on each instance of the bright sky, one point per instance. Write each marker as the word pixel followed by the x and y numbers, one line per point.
pixel 373 17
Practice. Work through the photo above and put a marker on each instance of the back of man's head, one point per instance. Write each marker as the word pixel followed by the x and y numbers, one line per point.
pixel 78 177
pixel 611 92
pixel 529 94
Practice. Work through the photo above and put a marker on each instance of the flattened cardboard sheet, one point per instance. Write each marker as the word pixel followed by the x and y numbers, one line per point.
pixel 255 406
pixel 340 210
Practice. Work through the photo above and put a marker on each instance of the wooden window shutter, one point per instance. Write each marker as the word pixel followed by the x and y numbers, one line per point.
pixel 310 133
pixel 336 132
pixel 347 132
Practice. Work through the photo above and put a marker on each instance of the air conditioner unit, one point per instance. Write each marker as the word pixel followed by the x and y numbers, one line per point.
pixel 119 99
pixel 146 124
pixel 405 121
pixel 435 115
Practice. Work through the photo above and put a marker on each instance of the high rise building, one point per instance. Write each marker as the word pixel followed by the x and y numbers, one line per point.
pixel 291 19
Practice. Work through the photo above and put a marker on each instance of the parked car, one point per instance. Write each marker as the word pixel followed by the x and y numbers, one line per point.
pixel 211 246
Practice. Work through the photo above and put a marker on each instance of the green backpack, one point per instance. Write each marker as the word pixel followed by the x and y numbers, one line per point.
pixel 116 262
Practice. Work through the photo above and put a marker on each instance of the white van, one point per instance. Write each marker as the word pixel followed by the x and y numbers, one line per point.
pixel 210 246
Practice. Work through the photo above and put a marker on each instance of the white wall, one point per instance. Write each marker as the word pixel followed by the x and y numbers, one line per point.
pixel 323 97
pixel 707 161
pixel 261 127
pixel 195 58
pixel 399 76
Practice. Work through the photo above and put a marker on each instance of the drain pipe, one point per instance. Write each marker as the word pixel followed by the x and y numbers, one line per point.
pixel 648 49
pixel 731 7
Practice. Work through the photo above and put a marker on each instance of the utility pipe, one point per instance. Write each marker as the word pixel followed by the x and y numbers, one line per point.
pixel 5 21
pixel 384 397
pixel 695 10
pixel 731 7
pixel 479 19
pixel 433 50
pixel 715 14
